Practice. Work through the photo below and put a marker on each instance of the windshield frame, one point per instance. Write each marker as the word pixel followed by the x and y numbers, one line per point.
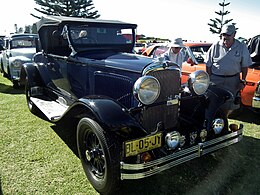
pixel 97 33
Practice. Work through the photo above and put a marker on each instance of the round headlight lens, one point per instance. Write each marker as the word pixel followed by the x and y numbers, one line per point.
pixel 199 82
pixel 147 89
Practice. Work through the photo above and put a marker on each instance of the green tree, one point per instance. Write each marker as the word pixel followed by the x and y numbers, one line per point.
pixel 75 8
pixel 34 28
pixel 27 29
pixel 217 23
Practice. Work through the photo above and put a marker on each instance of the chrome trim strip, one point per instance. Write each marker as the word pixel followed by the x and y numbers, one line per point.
pixel 182 156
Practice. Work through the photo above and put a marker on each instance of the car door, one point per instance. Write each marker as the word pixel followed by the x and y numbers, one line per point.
pixel 57 71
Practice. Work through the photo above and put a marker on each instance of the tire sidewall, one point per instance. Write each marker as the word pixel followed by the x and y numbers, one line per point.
pixel 110 181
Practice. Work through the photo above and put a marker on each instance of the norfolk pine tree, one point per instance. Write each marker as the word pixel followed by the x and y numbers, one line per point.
pixel 218 23
pixel 75 8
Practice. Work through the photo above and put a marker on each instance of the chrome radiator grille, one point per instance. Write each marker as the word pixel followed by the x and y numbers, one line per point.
pixel 161 113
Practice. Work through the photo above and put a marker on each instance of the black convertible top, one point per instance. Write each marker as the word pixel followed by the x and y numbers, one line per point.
pixel 50 29
pixel 62 20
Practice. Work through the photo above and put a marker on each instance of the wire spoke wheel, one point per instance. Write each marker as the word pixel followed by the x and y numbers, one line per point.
pixel 100 155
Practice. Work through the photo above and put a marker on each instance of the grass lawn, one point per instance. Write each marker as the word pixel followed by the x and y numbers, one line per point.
pixel 38 157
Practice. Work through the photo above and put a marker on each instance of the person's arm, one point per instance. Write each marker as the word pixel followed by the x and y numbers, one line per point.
pixel 208 60
pixel 208 70
pixel 244 71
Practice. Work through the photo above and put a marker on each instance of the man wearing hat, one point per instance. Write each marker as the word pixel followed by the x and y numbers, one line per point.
pixel 226 59
pixel 173 54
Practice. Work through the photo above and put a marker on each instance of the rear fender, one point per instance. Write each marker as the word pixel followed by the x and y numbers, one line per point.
pixel 34 74
pixel 30 74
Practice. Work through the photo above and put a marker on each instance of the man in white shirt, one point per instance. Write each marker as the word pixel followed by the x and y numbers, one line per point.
pixel 173 54
pixel 227 63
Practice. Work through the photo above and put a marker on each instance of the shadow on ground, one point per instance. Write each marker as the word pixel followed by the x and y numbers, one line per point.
pixel 246 115
pixel 1 192
pixel 8 89
pixel 67 132
pixel 232 170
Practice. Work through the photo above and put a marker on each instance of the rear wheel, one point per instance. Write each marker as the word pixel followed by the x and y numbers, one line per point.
pixel 100 156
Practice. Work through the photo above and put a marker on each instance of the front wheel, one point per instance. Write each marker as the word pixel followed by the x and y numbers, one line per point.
pixel 100 156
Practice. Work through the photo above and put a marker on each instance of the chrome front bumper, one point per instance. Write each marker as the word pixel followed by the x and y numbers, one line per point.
pixel 138 171
pixel 256 98
pixel 256 102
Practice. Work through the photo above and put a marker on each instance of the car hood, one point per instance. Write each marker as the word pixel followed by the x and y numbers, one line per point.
pixel 125 61
pixel 27 52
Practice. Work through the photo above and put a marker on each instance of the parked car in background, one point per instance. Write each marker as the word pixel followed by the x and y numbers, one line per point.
pixel 17 50
pixel 1 43
pixel 199 50
pixel 139 47
pixel 133 117
pixel 156 50
pixel 249 95
pixel 252 88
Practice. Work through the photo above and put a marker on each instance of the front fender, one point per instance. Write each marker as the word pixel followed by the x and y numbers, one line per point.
pixel 197 109
pixel 110 112
pixel 216 97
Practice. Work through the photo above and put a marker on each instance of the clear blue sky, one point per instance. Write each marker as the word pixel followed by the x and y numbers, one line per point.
pixel 164 18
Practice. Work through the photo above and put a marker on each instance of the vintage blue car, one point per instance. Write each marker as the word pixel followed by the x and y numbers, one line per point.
pixel 17 50
pixel 134 119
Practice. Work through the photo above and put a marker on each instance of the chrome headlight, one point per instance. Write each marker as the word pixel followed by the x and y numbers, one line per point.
pixel 198 82
pixel 172 139
pixel 17 63
pixel 147 89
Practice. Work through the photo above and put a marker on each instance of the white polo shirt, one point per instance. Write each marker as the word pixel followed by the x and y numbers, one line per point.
pixel 225 61
pixel 175 58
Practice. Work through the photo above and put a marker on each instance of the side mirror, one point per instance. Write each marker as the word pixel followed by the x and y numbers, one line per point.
pixel 200 59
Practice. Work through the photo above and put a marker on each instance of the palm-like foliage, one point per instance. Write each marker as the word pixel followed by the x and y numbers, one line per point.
pixel 75 8
pixel 216 24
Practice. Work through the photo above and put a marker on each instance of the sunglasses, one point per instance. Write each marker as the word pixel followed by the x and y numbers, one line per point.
pixel 226 35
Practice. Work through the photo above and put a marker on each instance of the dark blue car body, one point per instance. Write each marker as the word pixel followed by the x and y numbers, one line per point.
pixel 133 117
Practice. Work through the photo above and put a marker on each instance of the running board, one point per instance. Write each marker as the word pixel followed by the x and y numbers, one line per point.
pixel 51 109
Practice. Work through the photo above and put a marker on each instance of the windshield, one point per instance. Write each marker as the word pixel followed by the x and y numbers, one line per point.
pixel 84 35
pixel 23 42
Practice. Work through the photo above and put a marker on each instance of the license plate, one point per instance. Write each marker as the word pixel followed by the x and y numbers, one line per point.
pixel 144 144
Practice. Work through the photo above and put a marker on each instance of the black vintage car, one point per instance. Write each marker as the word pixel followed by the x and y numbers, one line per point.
pixel 133 117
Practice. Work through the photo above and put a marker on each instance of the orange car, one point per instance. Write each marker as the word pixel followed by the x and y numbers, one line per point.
pixel 250 95
pixel 195 59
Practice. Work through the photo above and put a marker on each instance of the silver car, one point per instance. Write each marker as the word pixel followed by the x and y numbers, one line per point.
pixel 17 50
